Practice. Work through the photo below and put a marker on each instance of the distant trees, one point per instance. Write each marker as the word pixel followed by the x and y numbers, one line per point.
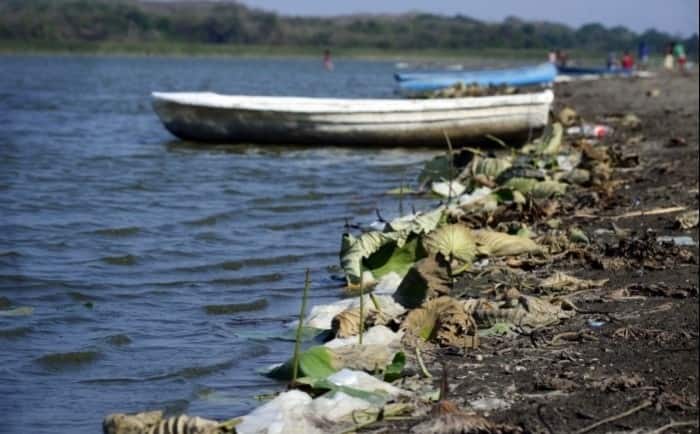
pixel 52 21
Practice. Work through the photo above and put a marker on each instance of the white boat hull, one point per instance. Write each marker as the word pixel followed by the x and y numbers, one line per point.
pixel 218 118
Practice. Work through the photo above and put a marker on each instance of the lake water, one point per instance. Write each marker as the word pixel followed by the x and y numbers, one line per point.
pixel 119 237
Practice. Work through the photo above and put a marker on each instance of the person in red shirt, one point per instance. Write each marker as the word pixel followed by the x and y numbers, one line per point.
pixel 627 61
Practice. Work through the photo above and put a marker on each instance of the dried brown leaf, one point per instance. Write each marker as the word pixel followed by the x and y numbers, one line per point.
pixel 564 282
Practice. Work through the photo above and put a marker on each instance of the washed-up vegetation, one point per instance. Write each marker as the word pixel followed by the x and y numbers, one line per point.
pixel 496 262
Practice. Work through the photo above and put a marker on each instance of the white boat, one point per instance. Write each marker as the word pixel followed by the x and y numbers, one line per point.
pixel 211 117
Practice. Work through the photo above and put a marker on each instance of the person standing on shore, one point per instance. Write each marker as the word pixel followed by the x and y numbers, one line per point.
pixel 679 54
pixel 327 62
pixel 643 54
pixel 627 61
pixel 668 58
pixel 562 58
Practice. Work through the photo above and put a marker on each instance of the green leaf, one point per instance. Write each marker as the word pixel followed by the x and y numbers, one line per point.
pixel 383 252
pixel 316 362
pixel 393 371
pixel 453 241
pixel 490 167
pixel 354 250
pixel 391 258
pixel 551 140
pixel 503 195
pixel 435 170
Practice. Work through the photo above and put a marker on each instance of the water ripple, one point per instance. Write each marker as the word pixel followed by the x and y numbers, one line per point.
pixel 123 239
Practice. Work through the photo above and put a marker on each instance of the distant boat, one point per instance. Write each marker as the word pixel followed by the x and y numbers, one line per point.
pixel 211 117
pixel 581 70
pixel 580 73
pixel 420 82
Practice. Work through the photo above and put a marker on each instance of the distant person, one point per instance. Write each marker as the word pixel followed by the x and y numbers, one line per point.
pixel 643 54
pixel 562 58
pixel 627 61
pixel 327 62
pixel 611 61
pixel 668 58
pixel 552 57
pixel 679 54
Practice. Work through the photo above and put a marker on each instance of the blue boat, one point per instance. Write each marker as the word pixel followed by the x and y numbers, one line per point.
pixel 580 70
pixel 419 82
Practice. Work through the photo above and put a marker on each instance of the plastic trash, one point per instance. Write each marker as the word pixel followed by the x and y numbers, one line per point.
pixel 388 284
pixel 567 163
pixel 337 408
pixel 679 241
pixel 363 381
pixel 443 188
pixel 595 323
pixel 281 415
pixel 474 196
pixel 377 225
pixel 322 315
pixel 489 404
pixel 377 335
pixel 590 130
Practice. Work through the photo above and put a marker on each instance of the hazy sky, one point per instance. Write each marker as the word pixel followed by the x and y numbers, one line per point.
pixel 673 16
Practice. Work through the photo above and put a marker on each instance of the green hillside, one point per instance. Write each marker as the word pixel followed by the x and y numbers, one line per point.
pixel 216 27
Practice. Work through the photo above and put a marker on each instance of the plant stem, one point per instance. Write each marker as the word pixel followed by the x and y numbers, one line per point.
pixel 450 160
pixel 300 326
pixel 362 309
pixel 375 302
pixel 403 177
pixel 423 369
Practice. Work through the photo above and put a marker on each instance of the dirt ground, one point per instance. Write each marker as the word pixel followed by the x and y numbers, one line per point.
pixel 631 352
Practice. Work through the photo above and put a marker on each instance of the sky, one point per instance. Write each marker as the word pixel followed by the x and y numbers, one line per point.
pixel 678 17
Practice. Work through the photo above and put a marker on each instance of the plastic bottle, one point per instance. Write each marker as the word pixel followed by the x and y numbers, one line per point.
pixel 590 130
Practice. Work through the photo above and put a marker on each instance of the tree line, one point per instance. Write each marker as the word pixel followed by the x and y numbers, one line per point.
pixel 61 21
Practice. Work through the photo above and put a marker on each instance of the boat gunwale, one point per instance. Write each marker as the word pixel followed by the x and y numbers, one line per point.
pixel 419 105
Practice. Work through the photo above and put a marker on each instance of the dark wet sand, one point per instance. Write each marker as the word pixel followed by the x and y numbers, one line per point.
pixel 648 350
